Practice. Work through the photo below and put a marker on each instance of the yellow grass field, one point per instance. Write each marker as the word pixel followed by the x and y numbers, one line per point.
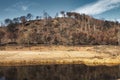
pixel 47 55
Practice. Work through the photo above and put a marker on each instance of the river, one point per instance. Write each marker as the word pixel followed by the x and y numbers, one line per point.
pixel 60 72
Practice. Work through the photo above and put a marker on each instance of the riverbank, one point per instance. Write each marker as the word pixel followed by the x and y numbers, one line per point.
pixel 46 55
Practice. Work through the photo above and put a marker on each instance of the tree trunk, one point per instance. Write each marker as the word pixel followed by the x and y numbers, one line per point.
pixel 118 35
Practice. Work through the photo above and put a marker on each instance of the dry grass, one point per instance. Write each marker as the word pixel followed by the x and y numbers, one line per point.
pixel 39 55
pixel 43 48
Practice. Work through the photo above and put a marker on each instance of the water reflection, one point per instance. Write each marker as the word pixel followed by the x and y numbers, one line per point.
pixel 60 72
pixel 2 77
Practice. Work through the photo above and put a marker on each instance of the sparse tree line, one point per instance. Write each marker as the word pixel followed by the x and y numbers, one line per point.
pixel 70 29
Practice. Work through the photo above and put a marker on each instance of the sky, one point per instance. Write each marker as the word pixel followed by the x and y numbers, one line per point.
pixel 101 9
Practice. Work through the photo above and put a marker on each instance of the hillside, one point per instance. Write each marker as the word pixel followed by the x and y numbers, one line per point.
pixel 72 47
pixel 71 29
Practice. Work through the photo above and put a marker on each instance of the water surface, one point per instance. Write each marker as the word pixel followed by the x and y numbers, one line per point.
pixel 60 72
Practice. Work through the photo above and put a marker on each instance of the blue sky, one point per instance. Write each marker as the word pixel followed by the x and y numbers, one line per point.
pixel 107 9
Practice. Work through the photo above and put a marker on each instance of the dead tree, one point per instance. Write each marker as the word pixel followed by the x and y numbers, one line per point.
pixel 1 36
pixel 118 35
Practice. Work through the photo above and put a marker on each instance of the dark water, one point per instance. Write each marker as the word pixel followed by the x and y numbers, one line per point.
pixel 60 72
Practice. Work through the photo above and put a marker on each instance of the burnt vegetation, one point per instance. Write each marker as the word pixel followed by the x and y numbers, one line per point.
pixel 70 29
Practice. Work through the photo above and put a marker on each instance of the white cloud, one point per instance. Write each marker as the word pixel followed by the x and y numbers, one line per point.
pixel 19 6
pixel 59 15
pixel 24 8
pixel 118 20
pixel 98 7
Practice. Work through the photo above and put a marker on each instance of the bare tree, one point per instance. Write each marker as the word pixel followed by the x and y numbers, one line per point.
pixel 1 35
pixel 12 30
pixel 45 15
pixel 56 15
pixel 16 20
pixel 2 24
pixel 69 14
pixel 8 21
pixel 23 19
pixel 118 35
pixel 37 17
pixel 63 13
pixel 29 16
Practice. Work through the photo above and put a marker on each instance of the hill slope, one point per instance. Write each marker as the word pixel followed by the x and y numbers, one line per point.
pixel 74 29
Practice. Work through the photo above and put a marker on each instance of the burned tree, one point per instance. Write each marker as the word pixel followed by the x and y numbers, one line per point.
pixel 12 30
pixel 1 35
pixel 16 20
pixel 29 16
pixel 118 35
pixel 63 13
pixel 23 19
pixel 8 21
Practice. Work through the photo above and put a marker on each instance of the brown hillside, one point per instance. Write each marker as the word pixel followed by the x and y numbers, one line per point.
pixel 74 29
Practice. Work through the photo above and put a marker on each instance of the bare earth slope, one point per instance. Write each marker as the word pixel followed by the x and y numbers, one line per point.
pixel 43 55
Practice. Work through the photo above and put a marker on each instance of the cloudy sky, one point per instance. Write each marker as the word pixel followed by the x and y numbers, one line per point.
pixel 102 9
